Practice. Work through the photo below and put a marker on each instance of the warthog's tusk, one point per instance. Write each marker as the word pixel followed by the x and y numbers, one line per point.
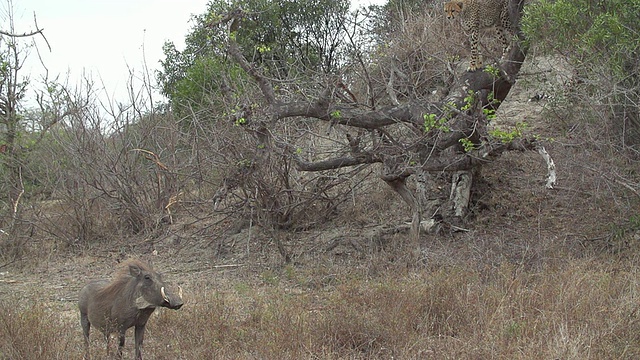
pixel 180 292
pixel 164 295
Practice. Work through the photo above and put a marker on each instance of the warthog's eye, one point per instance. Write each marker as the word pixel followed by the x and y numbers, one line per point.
pixel 147 277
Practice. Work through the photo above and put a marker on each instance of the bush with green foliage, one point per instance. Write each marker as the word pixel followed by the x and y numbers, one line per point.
pixel 600 39
pixel 287 39
pixel 587 30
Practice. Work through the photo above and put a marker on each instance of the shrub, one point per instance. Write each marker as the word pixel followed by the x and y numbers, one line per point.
pixel 600 39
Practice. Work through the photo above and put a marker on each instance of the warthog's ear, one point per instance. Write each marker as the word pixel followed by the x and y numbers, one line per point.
pixel 141 303
pixel 134 270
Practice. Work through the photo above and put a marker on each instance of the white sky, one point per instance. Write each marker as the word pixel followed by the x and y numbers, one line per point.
pixel 103 38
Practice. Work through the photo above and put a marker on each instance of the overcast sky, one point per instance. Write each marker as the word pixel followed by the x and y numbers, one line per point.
pixel 103 38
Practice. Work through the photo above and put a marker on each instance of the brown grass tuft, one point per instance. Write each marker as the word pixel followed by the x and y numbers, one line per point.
pixel 34 333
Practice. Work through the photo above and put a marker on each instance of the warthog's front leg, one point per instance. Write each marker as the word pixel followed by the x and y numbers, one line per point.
pixel 139 338
pixel 120 343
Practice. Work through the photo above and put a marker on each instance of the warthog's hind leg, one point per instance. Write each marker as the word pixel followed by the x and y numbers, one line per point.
pixel 86 327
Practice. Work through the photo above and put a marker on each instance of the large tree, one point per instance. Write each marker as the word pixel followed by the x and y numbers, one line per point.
pixel 398 104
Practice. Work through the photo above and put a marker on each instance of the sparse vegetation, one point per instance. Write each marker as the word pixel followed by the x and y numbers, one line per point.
pixel 579 310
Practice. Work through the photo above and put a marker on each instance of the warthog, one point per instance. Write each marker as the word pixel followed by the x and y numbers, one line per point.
pixel 128 300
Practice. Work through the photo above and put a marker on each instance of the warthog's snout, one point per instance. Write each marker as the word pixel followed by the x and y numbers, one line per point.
pixel 172 301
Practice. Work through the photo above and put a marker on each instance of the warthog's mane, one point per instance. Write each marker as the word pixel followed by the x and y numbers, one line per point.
pixel 122 276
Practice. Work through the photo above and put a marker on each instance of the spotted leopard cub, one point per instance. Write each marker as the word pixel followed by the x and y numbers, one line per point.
pixel 480 14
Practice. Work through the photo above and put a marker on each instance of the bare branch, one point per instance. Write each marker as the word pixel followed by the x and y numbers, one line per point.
pixel 336 163
pixel 235 17
pixel 263 83
pixel 407 113
pixel 30 33
pixel 551 167
pixel 27 34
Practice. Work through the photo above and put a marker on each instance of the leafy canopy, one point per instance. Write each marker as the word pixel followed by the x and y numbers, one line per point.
pixel 587 29
pixel 286 38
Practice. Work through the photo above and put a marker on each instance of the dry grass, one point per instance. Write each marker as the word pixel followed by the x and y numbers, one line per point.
pixel 580 310
pixel 32 332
